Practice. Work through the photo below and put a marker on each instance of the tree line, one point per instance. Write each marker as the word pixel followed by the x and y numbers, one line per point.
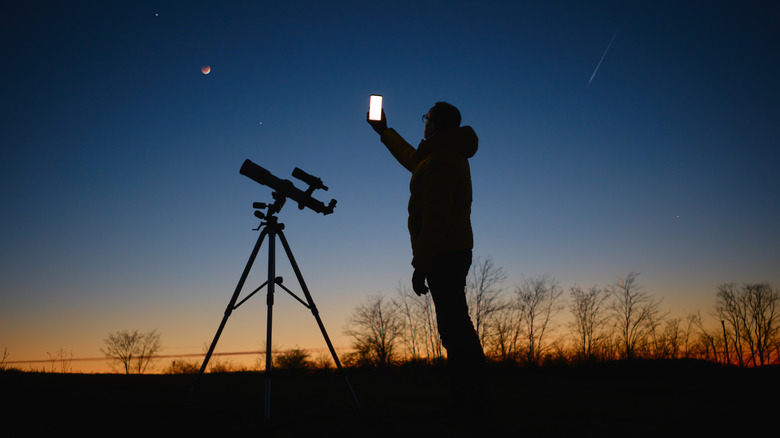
pixel 619 321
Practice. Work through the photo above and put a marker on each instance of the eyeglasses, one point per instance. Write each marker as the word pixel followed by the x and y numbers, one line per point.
pixel 425 118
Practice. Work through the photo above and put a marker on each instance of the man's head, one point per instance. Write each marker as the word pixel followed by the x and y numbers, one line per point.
pixel 441 118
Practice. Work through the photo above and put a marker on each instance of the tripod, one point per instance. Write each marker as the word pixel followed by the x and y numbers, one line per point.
pixel 272 229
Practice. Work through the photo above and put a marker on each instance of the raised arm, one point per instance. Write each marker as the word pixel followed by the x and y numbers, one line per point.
pixel 401 150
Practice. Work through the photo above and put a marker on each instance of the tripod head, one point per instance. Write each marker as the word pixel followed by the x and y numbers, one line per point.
pixel 270 209
pixel 284 188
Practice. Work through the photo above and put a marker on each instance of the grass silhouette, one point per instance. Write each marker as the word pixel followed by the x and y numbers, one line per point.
pixel 637 398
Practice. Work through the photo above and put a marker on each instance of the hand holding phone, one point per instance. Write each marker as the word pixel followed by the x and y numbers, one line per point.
pixel 376 117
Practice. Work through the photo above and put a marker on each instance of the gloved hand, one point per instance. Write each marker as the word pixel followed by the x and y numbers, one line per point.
pixel 418 282
pixel 379 125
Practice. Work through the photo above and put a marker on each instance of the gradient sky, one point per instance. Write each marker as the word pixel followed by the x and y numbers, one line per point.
pixel 123 208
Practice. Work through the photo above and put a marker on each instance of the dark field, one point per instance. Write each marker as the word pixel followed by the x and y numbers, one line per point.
pixel 627 399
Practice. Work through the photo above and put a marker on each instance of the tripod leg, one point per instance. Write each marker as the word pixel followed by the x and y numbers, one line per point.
pixel 231 305
pixel 316 313
pixel 270 303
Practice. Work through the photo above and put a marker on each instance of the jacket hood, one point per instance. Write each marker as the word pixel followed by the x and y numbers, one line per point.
pixel 462 140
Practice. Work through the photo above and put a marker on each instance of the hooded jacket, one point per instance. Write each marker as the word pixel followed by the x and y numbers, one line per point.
pixel 440 199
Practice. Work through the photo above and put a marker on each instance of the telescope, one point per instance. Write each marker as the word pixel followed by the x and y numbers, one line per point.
pixel 271 228
pixel 286 189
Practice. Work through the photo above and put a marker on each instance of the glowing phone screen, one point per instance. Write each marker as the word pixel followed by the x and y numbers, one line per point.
pixel 375 107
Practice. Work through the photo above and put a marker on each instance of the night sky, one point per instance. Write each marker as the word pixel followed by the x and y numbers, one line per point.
pixel 123 207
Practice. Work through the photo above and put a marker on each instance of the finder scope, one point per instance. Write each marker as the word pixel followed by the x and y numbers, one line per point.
pixel 287 189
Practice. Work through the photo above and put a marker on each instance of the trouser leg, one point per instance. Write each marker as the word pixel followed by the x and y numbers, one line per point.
pixel 465 357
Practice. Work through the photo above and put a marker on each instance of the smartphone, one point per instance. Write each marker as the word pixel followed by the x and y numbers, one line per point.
pixel 375 107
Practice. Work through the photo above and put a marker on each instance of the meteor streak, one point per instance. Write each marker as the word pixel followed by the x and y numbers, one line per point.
pixel 602 56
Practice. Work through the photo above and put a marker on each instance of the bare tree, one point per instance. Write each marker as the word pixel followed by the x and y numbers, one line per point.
pixel 376 327
pixel 731 311
pixel 665 339
pixel 133 350
pixel 751 320
pixel 432 339
pixel 689 349
pixel 537 303
pixel 634 314
pixel 421 335
pixel 587 308
pixel 484 296
pixel 504 344
pixel 3 359
pixel 681 340
pixel 60 361
pixel 413 326
pixel 708 341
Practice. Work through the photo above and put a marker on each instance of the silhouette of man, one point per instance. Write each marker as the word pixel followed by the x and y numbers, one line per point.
pixel 442 238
